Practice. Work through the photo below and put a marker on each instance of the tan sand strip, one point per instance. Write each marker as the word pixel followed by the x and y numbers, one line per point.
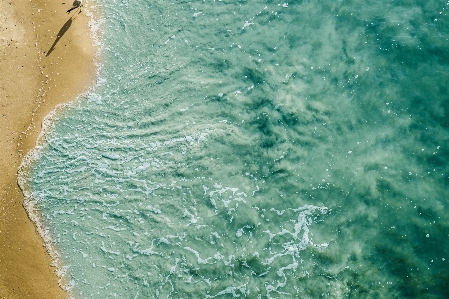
pixel 31 85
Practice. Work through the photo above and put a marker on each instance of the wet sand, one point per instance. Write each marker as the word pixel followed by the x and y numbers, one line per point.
pixel 46 58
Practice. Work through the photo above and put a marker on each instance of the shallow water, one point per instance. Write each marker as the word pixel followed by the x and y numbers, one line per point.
pixel 256 149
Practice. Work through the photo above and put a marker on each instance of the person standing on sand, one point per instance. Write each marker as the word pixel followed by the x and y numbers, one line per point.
pixel 76 4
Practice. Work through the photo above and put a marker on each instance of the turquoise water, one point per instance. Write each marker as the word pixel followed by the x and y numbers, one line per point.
pixel 256 149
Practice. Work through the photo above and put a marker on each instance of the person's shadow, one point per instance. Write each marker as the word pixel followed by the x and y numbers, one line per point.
pixel 61 32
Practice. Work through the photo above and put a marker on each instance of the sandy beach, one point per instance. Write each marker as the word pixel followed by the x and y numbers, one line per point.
pixel 46 58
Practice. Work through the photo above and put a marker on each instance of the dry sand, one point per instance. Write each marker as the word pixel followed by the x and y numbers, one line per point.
pixel 31 85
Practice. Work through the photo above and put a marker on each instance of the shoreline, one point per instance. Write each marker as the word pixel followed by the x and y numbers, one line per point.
pixel 49 58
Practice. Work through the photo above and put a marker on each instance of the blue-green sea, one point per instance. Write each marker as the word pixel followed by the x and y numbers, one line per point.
pixel 255 149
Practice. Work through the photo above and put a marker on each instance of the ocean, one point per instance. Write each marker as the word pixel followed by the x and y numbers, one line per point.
pixel 254 149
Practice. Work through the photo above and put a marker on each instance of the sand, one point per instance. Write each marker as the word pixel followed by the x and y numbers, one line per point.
pixel 38 71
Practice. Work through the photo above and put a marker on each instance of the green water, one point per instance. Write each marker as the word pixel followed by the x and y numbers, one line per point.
pixel 256 149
